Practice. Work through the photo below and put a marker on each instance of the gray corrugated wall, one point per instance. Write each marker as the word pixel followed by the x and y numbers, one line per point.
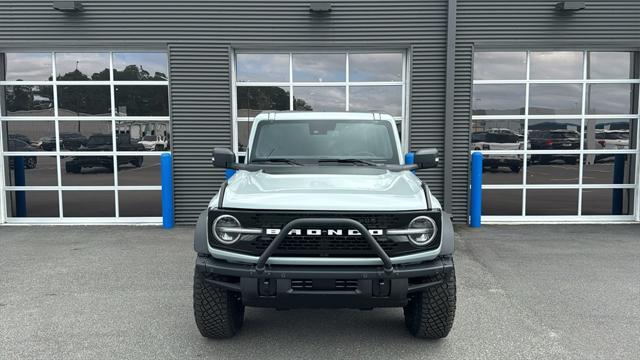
pixel 528 24
pixel 199 35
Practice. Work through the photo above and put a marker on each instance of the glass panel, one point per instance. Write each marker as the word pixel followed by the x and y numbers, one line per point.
pixel 143 135
pixel 140 66
pixel 609 65
pixel 34 171
pixel 138 170
pixel 498 99
pixel 28 66
pixel 24 100
pixel 502 169
pixel 252 100
pixel 608 169
pixel 553 169
pixel 87 100
pixel 607 201
pixel 140 203
pixel 29 135
pixel 32 204
pixel 609 134
pixel 82 66
pixel 319 67
pixel 148 100
pixel 313 98
pixel 555 99
pixel 500 65
pixel 375 67
pixel 556 65
pixel 87 170
pixel 550 134
pixel 610 98
pixel 85 135
pixel 501 202
pixel 380 98
pixel 552 202
pixel 88 203
pixel 244 129
pixel 262 67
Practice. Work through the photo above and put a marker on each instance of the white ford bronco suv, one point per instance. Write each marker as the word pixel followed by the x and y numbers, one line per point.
pixel 324 213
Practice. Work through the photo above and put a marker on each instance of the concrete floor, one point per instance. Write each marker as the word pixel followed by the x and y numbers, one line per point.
pixel 524 292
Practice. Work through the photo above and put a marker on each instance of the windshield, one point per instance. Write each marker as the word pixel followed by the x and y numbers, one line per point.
pixel 308 141
pixel 149 138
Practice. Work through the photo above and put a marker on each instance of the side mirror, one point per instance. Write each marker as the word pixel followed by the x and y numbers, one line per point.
pixel 223 158
pixel 426 158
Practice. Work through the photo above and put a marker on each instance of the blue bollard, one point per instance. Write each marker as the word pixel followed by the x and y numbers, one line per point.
pixel 20 180
pixel 618 178
pixel 475 210
pixel 166 174
pixel 228 173
pixel 408 159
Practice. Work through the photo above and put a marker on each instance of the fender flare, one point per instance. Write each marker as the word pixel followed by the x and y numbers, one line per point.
pixel 200 243
pixel 448 235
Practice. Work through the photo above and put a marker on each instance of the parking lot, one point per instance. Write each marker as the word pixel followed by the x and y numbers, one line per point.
pixel 524 292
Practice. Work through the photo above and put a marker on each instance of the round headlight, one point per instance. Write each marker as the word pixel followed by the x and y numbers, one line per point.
pixel 226 229
pixel 428 233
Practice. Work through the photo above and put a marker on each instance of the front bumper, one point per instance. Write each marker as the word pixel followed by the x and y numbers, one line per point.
pixel 289 286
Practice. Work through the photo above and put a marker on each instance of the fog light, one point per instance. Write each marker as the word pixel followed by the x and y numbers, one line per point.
pixel 226 229
pixel 428 233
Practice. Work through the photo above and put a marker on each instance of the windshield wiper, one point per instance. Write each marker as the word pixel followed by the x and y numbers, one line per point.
pixel 277 160
pixel 349 161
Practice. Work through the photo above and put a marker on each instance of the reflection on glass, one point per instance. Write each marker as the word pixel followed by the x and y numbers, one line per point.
pixel 244 129
pixel 550 134
pixel 143 135
pixel 498 99
pixel 90 100
pixel 326 98
pixel 379 98
pixel 552 202
pixel 609 134
pixel 262 67
pixel 32 204
pixel 29 135
pixel 501 202
pixel 375 67
pixel 28 66
pixel 28 100
pixel 138 170
pixel 319 67
pixel 85 135
pixel 555 99
pixel 148 66
pixel 556 65
pixel 499 126
pixel 609 65
pixel 608 169
pixel 87 170
pixel 148 100
pixel 147 203
pixel 82 66
pixel 500 65
pixel 607 201
pixel 554 169
pixel 88 203
pixel 502 169
pixel 610 98
pixel 252 100
pixel 34 171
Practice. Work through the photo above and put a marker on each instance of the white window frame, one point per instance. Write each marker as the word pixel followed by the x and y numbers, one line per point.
pixel 56 119
pixel 402 119
pixel 578 218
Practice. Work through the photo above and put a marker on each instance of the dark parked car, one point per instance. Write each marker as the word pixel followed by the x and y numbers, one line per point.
pixel 554 140
pixel 30 162
pixel 72 141
pixel 104 142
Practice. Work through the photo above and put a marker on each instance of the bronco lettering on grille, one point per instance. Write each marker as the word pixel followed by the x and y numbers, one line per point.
pixel 325 232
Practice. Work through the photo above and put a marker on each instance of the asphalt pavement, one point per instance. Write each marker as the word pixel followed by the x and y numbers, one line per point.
pixel 524 292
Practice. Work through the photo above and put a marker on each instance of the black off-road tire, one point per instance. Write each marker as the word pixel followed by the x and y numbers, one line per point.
pixel 430 313
pixel 219 313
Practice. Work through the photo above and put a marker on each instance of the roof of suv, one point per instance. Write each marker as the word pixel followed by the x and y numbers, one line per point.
pixel 311 115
